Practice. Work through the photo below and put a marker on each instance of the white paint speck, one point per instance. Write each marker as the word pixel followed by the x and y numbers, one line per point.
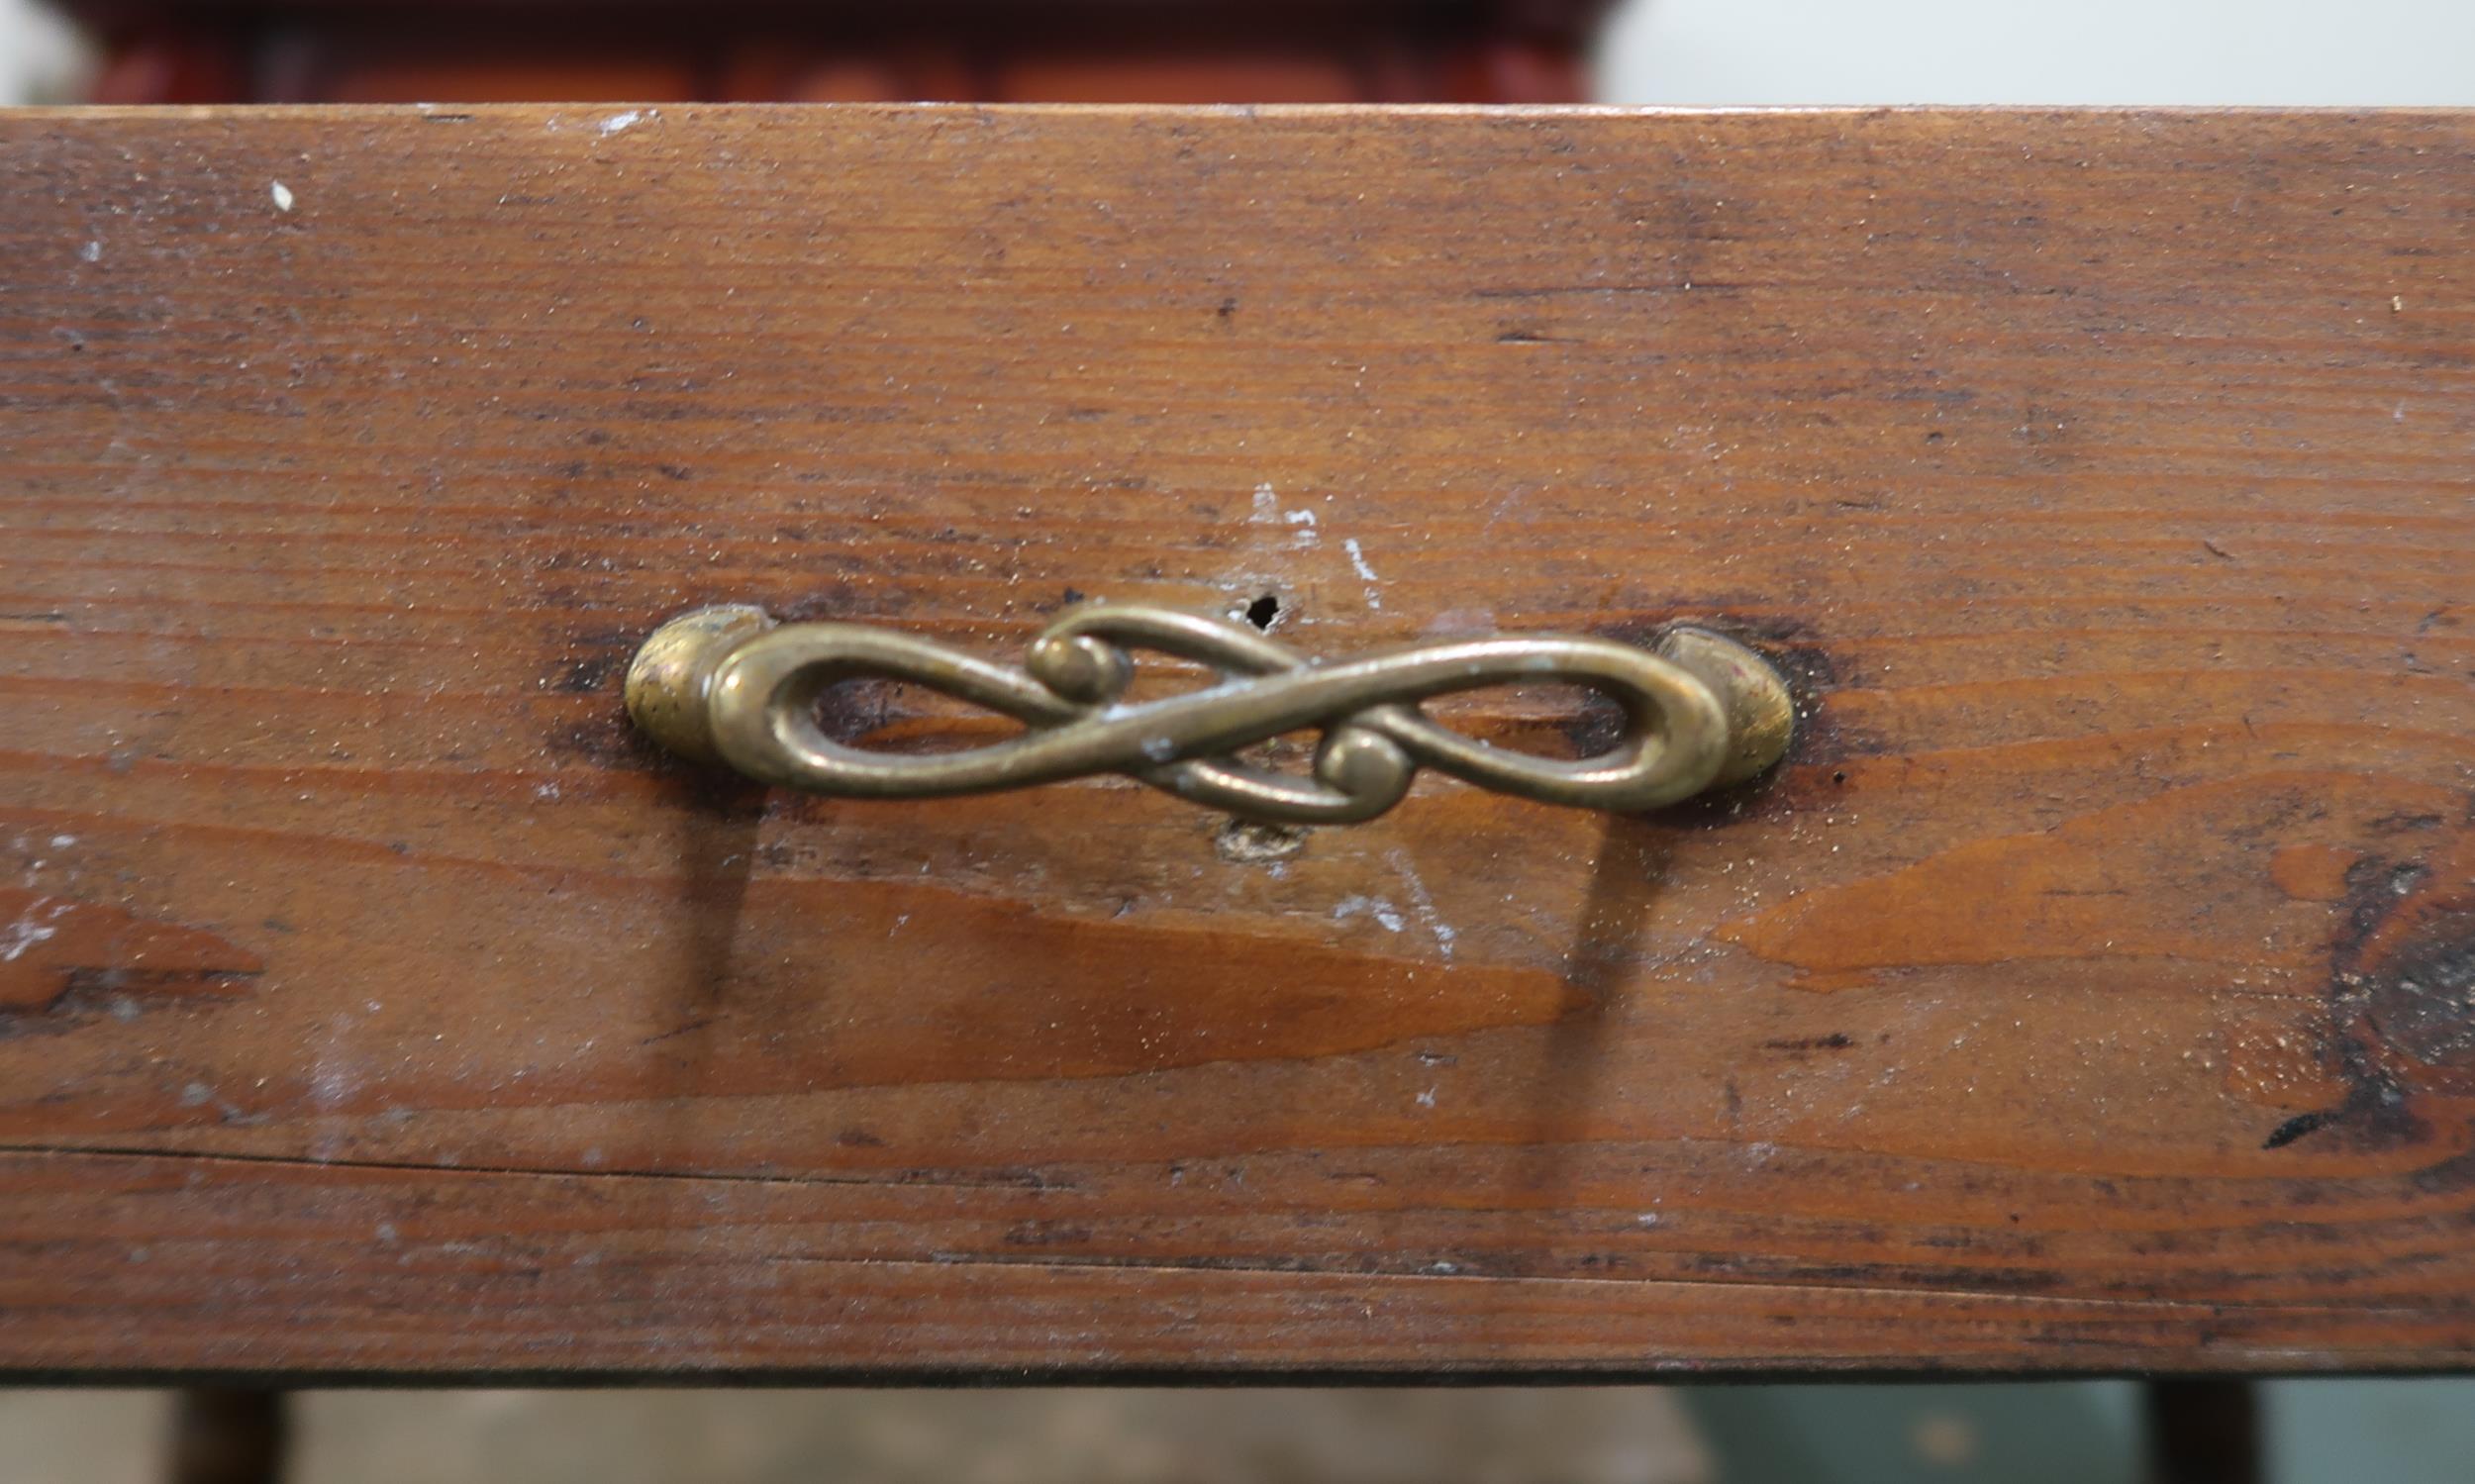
pixel 1424 903
pixel 1427 1099
pixel 92 251
pixel 545 790
pixel 62 841
pixel 1460 623
pixel 282 194
pixel 1266 504
pixel 1304 519
pixel 1378 908
pixel 1366 574
pixel 620 122
pixel 31 927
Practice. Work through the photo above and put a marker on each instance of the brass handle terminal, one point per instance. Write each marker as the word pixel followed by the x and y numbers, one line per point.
pixel 728 684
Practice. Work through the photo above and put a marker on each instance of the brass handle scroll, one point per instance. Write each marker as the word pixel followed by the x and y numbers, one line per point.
pixel 728 684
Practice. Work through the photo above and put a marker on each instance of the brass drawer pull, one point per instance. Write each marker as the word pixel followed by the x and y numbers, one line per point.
pixel 727 684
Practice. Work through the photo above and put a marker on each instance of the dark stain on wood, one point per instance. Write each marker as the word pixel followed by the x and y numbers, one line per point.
pixel 2402 997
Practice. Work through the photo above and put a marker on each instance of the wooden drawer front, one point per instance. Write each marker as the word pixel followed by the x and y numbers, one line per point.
pixel 2089 989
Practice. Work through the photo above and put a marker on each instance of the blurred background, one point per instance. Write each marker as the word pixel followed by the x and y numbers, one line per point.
pixel 2270 53
pixel 2275 52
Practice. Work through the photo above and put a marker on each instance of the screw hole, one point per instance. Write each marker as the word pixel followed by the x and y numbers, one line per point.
pixel 1262 611
pixel 1257 842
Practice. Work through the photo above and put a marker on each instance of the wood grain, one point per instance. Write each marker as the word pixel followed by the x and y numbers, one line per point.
pixel 2090 990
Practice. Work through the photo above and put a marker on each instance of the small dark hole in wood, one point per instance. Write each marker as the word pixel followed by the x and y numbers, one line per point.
pixel 887 716
pixel 850 711
pixel 1262 611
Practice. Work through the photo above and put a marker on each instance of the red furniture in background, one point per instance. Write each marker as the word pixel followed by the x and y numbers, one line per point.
pixel 984 50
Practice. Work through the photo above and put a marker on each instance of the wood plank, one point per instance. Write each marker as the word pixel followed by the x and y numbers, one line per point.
pixel 2090 989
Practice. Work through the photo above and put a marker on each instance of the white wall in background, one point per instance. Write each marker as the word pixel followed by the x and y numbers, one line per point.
pixel 41 59
pixel 2284 53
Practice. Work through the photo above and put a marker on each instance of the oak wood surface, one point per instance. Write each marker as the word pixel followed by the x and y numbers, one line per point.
pixel 2091 988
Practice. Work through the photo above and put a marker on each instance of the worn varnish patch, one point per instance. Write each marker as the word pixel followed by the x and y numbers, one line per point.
pixel 2116 883
pixel 64 961
pixel 1000 992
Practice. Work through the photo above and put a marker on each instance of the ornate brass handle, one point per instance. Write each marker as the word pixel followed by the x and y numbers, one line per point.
pixel 727 684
